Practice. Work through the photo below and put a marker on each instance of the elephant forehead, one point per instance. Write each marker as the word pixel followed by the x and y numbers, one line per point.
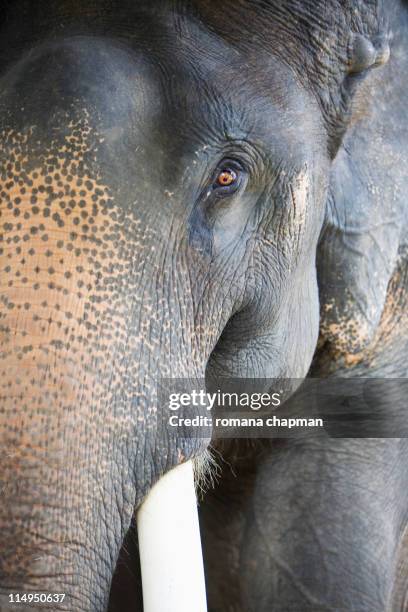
pixel 163 111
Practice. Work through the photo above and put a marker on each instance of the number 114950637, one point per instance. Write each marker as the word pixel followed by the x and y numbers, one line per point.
pixel 24 598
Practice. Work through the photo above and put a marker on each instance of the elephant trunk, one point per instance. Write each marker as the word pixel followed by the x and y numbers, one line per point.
pixel 98 302
pixel 78 418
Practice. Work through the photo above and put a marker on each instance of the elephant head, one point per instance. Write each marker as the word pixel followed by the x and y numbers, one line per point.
pixel 163 188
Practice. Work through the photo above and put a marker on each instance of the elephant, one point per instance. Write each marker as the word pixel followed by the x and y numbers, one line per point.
pixel 186 191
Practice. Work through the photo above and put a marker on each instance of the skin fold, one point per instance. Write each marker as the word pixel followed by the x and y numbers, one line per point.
pixel 123 261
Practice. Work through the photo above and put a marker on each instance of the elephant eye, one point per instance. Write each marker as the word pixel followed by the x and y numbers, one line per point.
pixel 228 177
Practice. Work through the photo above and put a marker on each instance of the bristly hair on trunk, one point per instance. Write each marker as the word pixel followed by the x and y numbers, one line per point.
pixel 206 472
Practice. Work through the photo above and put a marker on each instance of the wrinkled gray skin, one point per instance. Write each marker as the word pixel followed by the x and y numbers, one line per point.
pixel 122 260
pixel 321 524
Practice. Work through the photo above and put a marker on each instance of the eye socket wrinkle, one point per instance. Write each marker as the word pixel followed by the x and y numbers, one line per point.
pixel 241 161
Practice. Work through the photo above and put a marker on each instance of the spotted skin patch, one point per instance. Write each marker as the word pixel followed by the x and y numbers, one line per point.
pixel 84 326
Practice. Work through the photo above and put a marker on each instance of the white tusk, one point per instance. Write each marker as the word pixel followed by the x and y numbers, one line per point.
pixel 170 545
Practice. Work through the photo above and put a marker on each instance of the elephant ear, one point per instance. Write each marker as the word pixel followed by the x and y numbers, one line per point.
pixel 366 117
pixel 361 55
pixel 365 215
